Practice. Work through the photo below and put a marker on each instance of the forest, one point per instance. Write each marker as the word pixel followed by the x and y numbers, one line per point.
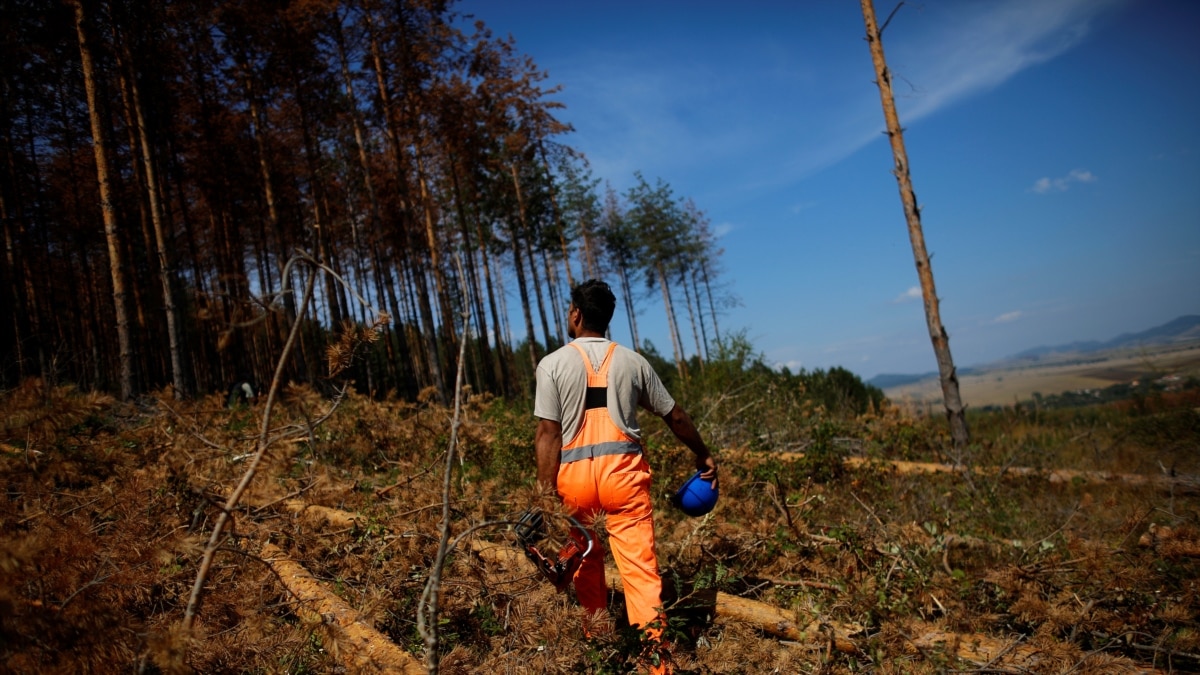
pixel 340 203
pixel 174 172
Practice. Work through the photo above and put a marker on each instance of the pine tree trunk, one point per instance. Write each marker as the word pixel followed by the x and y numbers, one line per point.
pixel 32 293
pixel 482 341
pixel 519 266
pixel 591 271
pixel 552 287
pixel 955 410
pixel 700 312
pixel 676 344
pixel 111 228
pixel 432 361
pixel 435 259
pixel 627 294
pixel 537 291
pixel 558 224
pixel 282 252
pixel 687 295
pixel 500 357
pixel 17 274
pixel 520 270
pixel 162 247
pixel 712 308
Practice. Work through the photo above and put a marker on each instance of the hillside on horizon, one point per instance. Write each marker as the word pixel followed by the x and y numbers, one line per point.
pixel 1181 329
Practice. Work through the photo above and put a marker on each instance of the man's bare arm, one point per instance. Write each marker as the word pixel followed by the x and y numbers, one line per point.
pixel 680 424
pixel 548 444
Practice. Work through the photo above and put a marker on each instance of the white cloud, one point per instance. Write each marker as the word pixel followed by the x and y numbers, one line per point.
pixel 982 45
pixel 722 229
pixel 1046 185
pixel 913 293
pixel 1007 317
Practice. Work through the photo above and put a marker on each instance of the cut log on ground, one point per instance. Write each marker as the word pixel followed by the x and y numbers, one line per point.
pixel 1185 483
pixel 1180 484
pixel 330 515
pixel 366 650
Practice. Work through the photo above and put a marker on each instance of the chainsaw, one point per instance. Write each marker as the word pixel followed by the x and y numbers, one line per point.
pixel 558 570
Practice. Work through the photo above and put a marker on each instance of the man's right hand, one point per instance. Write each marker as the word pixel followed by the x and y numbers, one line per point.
pixel 707 466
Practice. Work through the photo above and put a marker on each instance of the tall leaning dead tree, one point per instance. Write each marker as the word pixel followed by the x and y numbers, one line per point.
pixel 955 410
pixel 107 205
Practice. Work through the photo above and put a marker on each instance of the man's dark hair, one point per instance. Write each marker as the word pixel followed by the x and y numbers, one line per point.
pixel 596 301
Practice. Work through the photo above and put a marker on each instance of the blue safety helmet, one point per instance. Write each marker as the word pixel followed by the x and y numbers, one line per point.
pixel 696 497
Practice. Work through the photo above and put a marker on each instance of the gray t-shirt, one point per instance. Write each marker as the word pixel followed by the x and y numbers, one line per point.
pixel 562 385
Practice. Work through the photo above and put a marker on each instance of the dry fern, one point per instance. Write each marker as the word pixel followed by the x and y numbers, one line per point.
pixel 35 412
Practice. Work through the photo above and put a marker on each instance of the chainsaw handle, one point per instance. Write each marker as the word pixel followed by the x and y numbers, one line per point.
pixel 587 534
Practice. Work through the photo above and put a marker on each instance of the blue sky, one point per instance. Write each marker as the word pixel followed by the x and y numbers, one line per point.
pixel 1054 148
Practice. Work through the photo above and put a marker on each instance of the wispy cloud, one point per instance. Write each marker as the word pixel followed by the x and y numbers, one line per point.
pixel 722 229
pixel 982 45
pixel 1007 317
pixel 913 293
pixel 1046 185
pixel 643 109
pixel 942 59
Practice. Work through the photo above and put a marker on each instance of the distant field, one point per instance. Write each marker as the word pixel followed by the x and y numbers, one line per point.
pixel 1005 384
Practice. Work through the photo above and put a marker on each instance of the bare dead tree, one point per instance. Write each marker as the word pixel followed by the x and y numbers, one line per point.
pixel 427 610
pixel 265 441
pixel 112 228
pixel 955 410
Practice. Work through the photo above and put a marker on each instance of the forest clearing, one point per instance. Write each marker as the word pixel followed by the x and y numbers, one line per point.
pixel 377 203
pixel 843 541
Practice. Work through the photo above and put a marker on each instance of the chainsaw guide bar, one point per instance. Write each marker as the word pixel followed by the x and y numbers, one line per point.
pixel 558 570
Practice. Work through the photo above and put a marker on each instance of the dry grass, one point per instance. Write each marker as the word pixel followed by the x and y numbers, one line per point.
pixel 107 507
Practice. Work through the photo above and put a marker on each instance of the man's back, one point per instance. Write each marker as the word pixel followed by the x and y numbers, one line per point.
pixel 562 386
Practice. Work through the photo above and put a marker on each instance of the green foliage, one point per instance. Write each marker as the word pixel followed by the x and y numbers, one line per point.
pixel 740 401
pixel 510 456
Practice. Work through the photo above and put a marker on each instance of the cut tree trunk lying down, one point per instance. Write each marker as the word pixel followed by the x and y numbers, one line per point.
pixel 1181 484
pixel 365 649
pixel 335 517
pixel 1012 655
pixel 1186 483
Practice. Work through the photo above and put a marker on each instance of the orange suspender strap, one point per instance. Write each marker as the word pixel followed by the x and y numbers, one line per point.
pixel 602 436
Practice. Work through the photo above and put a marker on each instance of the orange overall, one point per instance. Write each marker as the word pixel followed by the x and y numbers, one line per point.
pixel 603 469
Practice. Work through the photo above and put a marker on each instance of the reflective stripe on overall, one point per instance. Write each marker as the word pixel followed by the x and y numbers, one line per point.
pixel 603 469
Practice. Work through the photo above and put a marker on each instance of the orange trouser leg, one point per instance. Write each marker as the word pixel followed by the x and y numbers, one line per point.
pixel 620 486
pixel 577 486
pixel 589 578
pixel 625 496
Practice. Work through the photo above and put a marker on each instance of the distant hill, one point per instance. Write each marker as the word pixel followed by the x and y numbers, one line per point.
pixel 1182 329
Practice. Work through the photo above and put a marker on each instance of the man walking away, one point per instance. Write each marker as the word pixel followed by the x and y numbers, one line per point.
pixel 589 447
